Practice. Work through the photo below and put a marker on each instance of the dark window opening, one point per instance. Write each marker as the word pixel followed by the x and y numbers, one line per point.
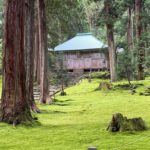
pixel 70 70
pixel 86 70
pixel 94 70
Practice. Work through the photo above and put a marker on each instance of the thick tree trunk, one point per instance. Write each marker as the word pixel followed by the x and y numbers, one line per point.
pixel 110 38
pixel 29 55
pixel 43 56
pixel 15 107
pixel 141 51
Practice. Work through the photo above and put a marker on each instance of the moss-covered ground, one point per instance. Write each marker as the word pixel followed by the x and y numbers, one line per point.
pixel 79 120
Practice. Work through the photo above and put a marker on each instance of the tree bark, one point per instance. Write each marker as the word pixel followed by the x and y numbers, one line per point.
pixel 140 45
pixel 14 106
pixel 36 52
pixel 130 41
pixel 43 56
pixel 130 30
pixel 110 38
pixel 112 52
pixel 29 55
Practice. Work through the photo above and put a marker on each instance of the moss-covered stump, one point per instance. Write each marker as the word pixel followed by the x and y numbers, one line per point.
pixel 63 93
pixel 146 92
pixel 104 86
pixel 121 123
pixel 133 91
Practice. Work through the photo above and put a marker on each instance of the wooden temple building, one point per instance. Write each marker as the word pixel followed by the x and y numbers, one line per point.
pixel 84 53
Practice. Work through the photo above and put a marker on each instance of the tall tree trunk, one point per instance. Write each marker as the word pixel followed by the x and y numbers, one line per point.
pixel 112 52
pixel 130 30
pixel 15 107
pixel 141 51
pixel 130 39
pixel 133 61
pixel 110 38
pixel 146 42
pixel 29 55
pixel 43 53
pixel 36 51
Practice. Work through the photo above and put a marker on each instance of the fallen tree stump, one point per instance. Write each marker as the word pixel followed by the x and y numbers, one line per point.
pixel 121 123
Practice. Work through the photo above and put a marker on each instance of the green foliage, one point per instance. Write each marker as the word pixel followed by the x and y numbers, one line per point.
pixel 64 19
pixel 125 68
pixel 58 74
pixel 147 72
pixel 147 59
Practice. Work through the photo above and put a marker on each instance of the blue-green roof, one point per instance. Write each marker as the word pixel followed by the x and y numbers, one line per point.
pixel 82 41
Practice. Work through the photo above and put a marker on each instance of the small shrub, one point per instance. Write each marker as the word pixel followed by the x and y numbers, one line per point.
pixel 99 75
pixel 141 93
pixel 127 86
pixel 133 92
pixel 146 92
pixel 63 93
pixel 147 72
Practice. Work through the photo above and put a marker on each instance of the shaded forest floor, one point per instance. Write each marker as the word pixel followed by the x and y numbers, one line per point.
pixel 80 119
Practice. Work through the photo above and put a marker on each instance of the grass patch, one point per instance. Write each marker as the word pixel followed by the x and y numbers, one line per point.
pixel 79 120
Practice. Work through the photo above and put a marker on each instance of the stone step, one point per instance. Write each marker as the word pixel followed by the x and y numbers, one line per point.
pixel 52 90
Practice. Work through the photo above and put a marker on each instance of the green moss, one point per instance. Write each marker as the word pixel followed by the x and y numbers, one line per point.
pixel 79 120
pixel 120 123
pixel 99 75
